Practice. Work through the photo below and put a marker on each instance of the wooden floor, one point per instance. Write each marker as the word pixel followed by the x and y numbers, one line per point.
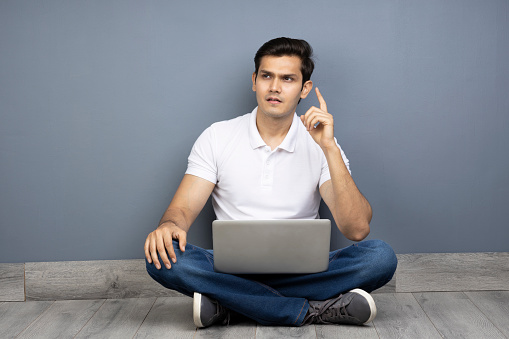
pixel 400 315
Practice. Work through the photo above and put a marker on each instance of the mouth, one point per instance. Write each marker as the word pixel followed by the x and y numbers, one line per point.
pixel 274 100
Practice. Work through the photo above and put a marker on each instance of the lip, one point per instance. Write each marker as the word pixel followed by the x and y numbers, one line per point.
pixel 274 100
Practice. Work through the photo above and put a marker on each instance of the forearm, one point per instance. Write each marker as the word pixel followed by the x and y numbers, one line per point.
pixel 187 202
pixel 351 211
pixel 176 216
pixel 185 206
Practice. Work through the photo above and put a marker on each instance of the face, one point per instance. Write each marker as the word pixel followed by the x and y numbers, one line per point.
pixel 278 85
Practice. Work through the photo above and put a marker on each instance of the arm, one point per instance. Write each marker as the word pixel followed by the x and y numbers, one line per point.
pixel 185 206
pixel 351 211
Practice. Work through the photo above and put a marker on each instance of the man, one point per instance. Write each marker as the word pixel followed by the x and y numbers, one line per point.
pixel 272 164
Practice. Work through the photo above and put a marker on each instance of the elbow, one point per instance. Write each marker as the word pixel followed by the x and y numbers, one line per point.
pixel 358 236
pixel 359 233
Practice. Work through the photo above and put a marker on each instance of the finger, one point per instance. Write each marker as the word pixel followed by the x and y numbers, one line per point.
pixel 162 253
pixel 183 241
pixel 313 123
pixel 168 243
pixel 313 117
pixel 147 252
pixel 153 253
pixel 321 100
pixel 308 116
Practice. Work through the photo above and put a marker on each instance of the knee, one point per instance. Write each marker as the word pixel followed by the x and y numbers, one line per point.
pixel 156 274
pixel 173 278
pixel 190 267
pixel 384 260
pixel 153 271
pixel 164 275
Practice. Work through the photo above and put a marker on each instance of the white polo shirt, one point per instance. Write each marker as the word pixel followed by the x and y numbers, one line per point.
pixel 254 182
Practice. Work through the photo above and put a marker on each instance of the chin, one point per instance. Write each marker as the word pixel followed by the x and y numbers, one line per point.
pixel 276 112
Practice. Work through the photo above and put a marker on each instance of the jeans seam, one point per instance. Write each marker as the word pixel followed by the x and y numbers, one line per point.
pixel 269 288
pixel 211 263
pixel 335 256
pixel 207 255
pixel 300 312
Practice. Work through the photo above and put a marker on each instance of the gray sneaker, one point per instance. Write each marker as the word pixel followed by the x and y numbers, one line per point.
pixel 207 311
pixel 356 307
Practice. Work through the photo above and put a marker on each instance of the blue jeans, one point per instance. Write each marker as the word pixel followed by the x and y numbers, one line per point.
pixel 278 299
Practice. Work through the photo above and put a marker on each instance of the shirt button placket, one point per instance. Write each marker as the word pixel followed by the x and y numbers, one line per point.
pixel 267 174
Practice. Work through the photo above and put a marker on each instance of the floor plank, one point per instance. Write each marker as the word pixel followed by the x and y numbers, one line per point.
pixel 495 306
pixel 98 279
pixel 245 330
pixel 401 316
pixel 455 316
pixel 344 331
pixel 16 316
pixel 63 319
pixel 170 317
pixel 117 318
pixel 276 332
pixel 12 282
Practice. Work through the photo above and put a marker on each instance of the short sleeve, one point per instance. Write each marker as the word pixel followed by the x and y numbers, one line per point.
pixel 201 161
pixel 325 167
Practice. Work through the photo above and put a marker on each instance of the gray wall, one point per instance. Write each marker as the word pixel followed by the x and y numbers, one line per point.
pixel 101 101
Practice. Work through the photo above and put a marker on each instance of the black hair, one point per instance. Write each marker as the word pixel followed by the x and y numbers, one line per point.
pixel 288 47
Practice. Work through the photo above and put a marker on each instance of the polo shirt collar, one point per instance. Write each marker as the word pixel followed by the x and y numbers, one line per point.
pixel 256 140
pixel 254 136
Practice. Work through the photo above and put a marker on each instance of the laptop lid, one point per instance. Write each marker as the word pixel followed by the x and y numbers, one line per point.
pixel 271 246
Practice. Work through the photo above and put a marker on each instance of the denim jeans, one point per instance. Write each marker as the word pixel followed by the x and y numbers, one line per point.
pixel 278 299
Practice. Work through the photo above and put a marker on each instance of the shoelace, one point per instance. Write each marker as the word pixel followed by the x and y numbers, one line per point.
pixel 221 309
pixel 226 321
pixel 340 312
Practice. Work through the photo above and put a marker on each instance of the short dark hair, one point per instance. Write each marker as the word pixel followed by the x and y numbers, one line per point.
pixel 288 47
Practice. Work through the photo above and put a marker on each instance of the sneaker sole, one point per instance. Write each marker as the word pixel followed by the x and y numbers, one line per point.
pixel 371 303
pixel 196 309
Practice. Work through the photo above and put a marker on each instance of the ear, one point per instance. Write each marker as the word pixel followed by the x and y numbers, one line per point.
pixel 308 86
pixel 254 82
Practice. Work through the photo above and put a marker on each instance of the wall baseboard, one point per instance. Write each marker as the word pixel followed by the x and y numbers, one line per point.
pixel 12 282
pixel 449 272
pixel 101 279
pixel 114 279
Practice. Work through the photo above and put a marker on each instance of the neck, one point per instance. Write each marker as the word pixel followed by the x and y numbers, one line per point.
pixel 273 130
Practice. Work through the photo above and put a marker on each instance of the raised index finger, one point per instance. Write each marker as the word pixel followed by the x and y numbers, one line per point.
pixel 321 100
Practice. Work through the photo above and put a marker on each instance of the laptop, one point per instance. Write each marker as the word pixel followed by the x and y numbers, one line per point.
pixel 271 246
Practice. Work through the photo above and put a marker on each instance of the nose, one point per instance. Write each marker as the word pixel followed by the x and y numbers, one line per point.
pixel 275 85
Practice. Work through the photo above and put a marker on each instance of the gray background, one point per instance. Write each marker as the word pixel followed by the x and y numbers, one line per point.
pixel 101 101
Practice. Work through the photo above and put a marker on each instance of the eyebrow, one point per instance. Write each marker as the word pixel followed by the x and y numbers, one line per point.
pixel 262 71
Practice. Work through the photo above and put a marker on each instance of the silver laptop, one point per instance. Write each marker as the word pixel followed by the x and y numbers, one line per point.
pixel 271 246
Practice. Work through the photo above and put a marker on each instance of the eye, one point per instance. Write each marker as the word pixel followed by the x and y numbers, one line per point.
pixel 265 76
pixel 288 79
